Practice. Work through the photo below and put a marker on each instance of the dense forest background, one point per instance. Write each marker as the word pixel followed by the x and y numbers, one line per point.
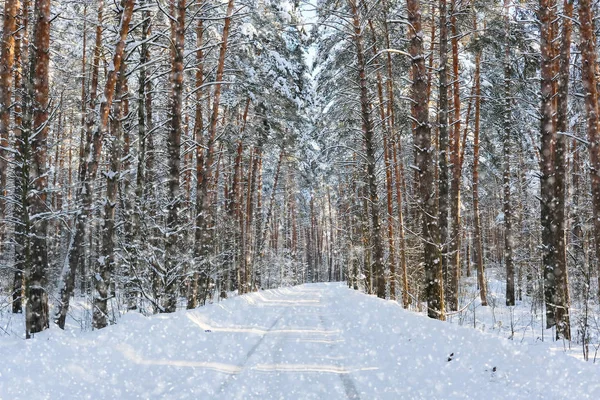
pixel 158 154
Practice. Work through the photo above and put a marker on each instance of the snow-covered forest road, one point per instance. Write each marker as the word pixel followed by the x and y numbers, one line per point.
pixel 315 341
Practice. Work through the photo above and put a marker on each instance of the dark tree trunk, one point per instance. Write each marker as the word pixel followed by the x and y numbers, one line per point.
pixel 426 168
pixel 443 176
pixel 172 263
pixel 388 170
pixel 141 181
pixel 105 268
pixel 477 237
pixel 36 264
pixel 203 240
pixel 369 139
pixel 506 174
pixel 21 41
pixel 396 145
pixel 548 140
pixel 562 310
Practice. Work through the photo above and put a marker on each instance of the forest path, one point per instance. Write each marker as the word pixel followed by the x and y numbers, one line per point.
pixel 300 355
pixel 315 341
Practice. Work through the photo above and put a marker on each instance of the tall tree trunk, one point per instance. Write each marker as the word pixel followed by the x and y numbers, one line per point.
pixel 387 153
pixel 369 138
pixel 443 177
pixel 7 58
pixel 83 72
pixel 203 240
pixel 426 168
pixel 141 181
pixel 388 170
pixel 192 300
pixel 21 56
pixel 396 144
pixel 236 209
pixel 454 239
pixel 243 216
pixel 506 174
pixel 399 172
pixel 331 238
pixel 562 310
pixel 105 268
pixel 249 228
pixel 590 87
pixel 257 227
pixel 477 234
pixel 363 206
pixel 79 253
pixel 248 218
pixel 548 140
pixel 172 268
pixel 36 266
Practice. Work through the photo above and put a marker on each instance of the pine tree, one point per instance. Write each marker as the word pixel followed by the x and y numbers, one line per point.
pixel 426 168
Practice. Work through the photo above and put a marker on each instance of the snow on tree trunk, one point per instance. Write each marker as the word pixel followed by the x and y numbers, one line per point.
pixel 477 234
pixel 562 311
pixel 7 58
pixel 36 207
pixel 590 82
pixel 425 164
pixel 548 141
pixel 369 141
pixel 506 174
pixel 172 263
pixel 443 139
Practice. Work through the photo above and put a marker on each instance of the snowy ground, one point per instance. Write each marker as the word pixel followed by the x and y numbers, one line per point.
pixel 309 342
pixel 525 321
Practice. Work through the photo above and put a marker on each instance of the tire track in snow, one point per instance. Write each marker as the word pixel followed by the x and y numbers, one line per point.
pixel 347 381
pixel 241 366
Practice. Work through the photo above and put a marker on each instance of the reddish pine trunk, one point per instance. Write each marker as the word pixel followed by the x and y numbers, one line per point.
pixel 203 238
pixel 105 266
pixel 7 58
pixel 454 239
pixel 589 68
pixel 426 168
pixel 90 156
pixel 109 90
pixel 548 139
